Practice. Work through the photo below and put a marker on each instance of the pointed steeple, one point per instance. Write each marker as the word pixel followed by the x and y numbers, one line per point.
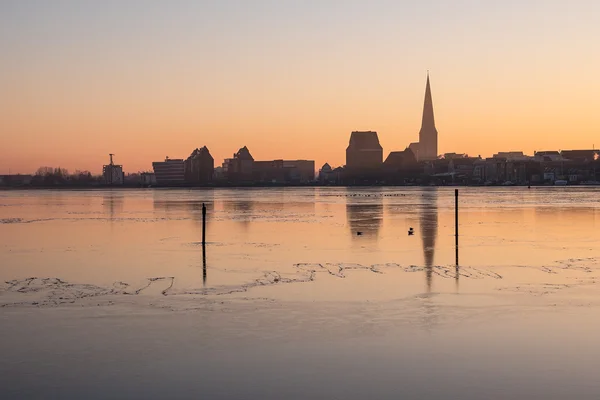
pixel 428 120
pixel 428 134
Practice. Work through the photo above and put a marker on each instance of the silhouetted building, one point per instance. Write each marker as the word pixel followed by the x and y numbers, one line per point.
pixel 428 135
pixel 462 168
pixel 147 178
pixel 15 180
pixel 551 155
pixel 364 151
pixel 284 171
pixel 580 155
pixel 169 172
pixel 218 173
pixel 269 171
pixel 240 168
pixel 301 171
pixel 512 155
pixel 199 166
pixel 400 159
pixel 453 156
pixel 330 175
pixel 112 173
pixel 414 147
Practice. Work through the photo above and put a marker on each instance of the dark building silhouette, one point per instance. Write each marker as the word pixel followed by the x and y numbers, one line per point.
pixel 199 166
pixel 401 166
pixel 169 172
pixel 330 175
pixel 239 168
pixel 398 160
pixel 242 168
pixel 580 155
pixel 364 151
pixel 112 174
pixel 284 171
pixel 427 148
pixel 15 180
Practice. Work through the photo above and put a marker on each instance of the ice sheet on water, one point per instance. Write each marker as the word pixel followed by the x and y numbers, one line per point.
pixel 54 291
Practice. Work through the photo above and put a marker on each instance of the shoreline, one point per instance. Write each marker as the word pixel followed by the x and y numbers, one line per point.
pixel 275 186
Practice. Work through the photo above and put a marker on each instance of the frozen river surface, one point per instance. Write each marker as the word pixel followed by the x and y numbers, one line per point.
pixel 109 294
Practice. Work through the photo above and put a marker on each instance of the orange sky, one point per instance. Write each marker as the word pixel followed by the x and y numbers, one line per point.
pixel 290 81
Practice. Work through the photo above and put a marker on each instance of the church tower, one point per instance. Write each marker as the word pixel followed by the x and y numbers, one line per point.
pixel 428 136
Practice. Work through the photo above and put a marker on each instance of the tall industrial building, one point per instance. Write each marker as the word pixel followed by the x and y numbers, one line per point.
pixel 427 148
pixel 113 173
pixel 364 151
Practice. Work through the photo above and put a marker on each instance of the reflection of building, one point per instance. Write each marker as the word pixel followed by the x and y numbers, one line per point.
pixel 364 151
pixel 428 135
pixel 113 203
pixel 199 166
pixel 169 172
pixel 364 217
pixel 188 205
pixel 428 221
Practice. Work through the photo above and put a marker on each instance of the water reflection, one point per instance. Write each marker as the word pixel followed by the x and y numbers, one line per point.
pixel 189 203
pixel 113 203
pixel 364 216
pixel 240 209
pixel 204 264
pixel 428 221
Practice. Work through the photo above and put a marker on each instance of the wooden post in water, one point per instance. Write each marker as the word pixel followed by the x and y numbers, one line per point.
pixel 456 223
pixel 203 224
pixel 203 243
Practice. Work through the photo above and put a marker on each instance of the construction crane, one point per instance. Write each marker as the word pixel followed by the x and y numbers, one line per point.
pixel 111 160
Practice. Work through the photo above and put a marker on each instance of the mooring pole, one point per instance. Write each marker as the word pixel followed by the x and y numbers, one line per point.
pixel 456 223
pixel 203 224
pixel 203 243
pixel 204 264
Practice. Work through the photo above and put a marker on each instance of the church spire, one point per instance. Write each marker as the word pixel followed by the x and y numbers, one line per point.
pixel 428 120
pixel 428 134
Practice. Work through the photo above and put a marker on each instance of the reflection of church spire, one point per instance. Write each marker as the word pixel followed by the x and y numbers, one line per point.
pixel 428 221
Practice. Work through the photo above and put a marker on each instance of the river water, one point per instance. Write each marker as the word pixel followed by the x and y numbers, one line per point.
pixel 300 293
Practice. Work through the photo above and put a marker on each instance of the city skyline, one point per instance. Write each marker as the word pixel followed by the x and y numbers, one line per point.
pixel 291 81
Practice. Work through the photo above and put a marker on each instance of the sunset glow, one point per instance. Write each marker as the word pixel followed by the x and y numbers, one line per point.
pixel 290 79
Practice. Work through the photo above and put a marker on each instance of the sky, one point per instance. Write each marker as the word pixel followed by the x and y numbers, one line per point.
pixel 145 79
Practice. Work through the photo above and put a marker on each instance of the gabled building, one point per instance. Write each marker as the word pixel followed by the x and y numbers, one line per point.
pixel 199 166
pixel 240 167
